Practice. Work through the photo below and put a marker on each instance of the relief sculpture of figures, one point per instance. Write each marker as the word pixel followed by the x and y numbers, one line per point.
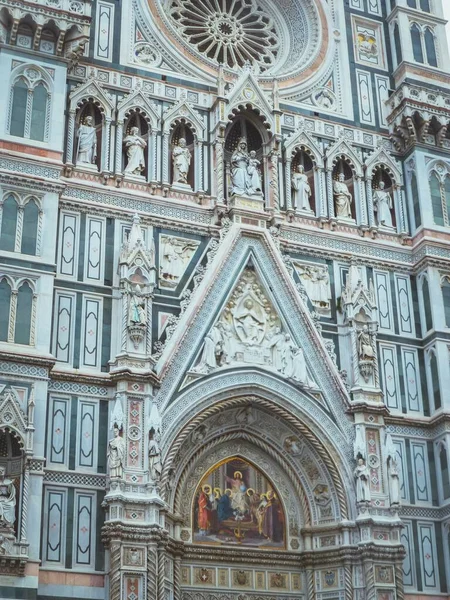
pixel 135 146
pixel 302 189
pixel 7 500
pixel 181 157
pixel 382 205
pixel 116 455
pixel 343 198
pixel 316 280
pixel 249 331
pixel 362 476
pixel 87 142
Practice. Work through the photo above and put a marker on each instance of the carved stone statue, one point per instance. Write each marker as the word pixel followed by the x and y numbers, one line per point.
pixel 154 455
pixel 7 500
pixel 116 455
pixel 181 157
pixel 302 189
pixel 135 145
pixel 365 350
pixel 213 344
pixel 342 198
pixel 138 313
pixel 254 174
pixel 362 476
pixel 382 205
pixel 87 142
pixel 394 482
pixel 245 174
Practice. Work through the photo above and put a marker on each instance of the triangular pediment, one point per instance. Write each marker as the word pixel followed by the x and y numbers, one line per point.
pixel 343 148
pixel 300 139
pixel 249 313
pixel 382 158
pixel 92 89
pixel 250 331
pixel 183 110
pixel 247 92
pixel 137 100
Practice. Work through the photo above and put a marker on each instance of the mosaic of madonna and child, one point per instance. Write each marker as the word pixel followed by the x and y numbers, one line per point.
pixel 236 504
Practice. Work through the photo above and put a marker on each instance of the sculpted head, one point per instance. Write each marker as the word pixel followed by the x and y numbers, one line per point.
pixel 341 177
pixel 382 185
pixel 242 144
pixel 300 169
pixel 252 153
pixel 89 121
pixel 116 431
pixel 134 131
pixel 182 143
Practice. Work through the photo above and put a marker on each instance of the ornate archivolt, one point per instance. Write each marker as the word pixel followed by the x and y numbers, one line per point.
pixel 302 451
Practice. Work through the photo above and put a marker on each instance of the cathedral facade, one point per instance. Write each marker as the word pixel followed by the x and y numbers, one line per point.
pixel 225 300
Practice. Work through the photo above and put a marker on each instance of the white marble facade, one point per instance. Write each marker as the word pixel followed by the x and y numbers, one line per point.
pixel 225 300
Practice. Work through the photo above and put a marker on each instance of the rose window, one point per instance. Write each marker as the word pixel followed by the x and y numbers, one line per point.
pixel 231 32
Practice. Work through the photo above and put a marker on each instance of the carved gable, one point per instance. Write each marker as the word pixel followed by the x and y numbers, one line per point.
pixel 249 331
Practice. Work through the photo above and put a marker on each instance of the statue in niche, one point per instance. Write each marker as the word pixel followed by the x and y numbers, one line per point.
pixel 87 142
pixel 135 146
pixel 7 500
pixel 302 189
pixel 362 476
pixel 154 455
pixel 382 205
pixel 138 313
pixel 316 280
pixel 254 174
pixel 394 482
pixel 181 158
pixel 365 349
pixel 342 198
pixel 116 455
pixel 245 174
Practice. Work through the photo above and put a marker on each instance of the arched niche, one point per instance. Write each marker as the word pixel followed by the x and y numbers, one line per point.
pixel 181 130
pixel 383 190
pixel 343 173
pixel 12 462
pixel 236 503
pixel 135 118
pixel 245 126
pixel 303 164
pixel 89 114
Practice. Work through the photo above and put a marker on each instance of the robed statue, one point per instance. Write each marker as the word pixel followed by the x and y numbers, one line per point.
pixel 87 142
pixel 135 146
pixel 181 158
